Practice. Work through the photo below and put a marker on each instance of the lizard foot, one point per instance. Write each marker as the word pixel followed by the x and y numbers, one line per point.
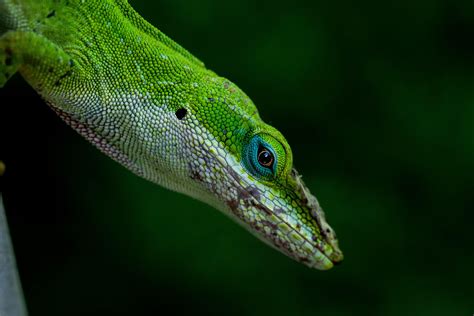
pixel 9 61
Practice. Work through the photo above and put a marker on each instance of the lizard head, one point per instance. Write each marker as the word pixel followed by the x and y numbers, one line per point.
pixel 214 147
pixel 244 167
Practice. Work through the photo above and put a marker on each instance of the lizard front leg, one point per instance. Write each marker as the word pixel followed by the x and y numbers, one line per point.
pixel 42 63
pixel 9 61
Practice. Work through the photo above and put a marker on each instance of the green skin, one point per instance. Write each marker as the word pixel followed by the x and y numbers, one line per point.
pixel 152 106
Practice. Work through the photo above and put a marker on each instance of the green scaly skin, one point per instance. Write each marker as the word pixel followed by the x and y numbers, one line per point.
pixel 152 106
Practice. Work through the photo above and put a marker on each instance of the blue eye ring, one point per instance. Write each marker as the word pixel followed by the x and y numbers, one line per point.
pixel 259 158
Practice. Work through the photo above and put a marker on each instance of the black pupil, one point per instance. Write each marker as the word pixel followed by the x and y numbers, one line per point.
pixel 265 158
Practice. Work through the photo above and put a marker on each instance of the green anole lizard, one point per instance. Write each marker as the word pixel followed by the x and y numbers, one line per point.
pixel 152 106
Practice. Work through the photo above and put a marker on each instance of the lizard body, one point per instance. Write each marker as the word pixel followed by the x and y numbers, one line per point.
pixel 153 107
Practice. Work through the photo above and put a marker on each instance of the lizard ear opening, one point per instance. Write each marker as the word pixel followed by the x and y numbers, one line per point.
pixel 181 113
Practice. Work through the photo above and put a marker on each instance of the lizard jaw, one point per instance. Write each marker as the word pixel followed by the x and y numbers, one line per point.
pixel 286 236
pixel 309 240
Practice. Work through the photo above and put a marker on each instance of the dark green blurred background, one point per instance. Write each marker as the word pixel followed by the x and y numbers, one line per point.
pixel 377 102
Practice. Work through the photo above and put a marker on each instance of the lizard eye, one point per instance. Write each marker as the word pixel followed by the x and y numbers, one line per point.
pixel 265 157
pixel 260 157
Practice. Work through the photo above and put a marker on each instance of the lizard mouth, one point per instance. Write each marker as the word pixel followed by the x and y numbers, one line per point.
pixel 335 257
pixel 315 254
pixel 318 250
pixel 322 261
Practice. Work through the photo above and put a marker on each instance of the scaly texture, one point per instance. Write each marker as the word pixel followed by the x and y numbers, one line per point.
pixel 152 106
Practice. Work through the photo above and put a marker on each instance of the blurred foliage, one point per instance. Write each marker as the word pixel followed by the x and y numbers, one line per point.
pixel 377 101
